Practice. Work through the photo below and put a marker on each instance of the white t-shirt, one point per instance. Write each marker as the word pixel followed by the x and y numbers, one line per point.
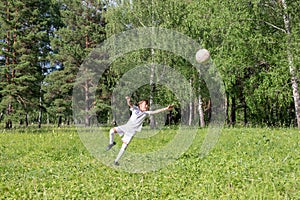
pixel 135 121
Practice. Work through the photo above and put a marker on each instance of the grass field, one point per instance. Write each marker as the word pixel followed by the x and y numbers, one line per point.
pixel 246 163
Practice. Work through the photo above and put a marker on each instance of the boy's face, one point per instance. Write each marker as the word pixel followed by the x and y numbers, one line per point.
pixel 143 106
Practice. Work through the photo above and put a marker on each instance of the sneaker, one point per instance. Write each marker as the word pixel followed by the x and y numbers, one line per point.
pixel 116 163
pixel 110 146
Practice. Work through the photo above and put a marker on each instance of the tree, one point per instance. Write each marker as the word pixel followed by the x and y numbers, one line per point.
pixel 290 57
pixel 24 31
pixel 276 66
pixel 165 14
pixel 83 29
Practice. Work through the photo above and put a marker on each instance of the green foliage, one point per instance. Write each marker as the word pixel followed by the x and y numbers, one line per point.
pixel 247 41
pixel 24 28
pixel 82 29
pixel 248 45
pixel 250 163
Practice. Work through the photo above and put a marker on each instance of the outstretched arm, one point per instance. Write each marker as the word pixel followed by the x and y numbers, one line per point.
pixel 169 107
pixel 129 102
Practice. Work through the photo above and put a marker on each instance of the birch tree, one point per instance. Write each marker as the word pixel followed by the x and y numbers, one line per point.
pixel 292 68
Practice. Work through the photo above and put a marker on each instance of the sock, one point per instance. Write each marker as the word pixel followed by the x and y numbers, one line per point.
pixel 111 136
pixel 121 152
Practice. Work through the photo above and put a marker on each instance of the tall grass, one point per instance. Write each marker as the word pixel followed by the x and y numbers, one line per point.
pixel 53 163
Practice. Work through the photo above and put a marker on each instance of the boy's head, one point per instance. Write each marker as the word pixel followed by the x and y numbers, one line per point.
pixel 143 105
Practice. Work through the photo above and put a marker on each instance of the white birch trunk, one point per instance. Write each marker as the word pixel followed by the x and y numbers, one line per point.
pixel 87 106
pixel 200 110
pixel 190 105
pixel 292 68
pixel 40 112
pixel 152 73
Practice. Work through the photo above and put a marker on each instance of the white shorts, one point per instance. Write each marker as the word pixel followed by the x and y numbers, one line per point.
pixel 127 137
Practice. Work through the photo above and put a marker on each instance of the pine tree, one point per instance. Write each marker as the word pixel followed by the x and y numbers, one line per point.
pixel 83 30
pixel 24 32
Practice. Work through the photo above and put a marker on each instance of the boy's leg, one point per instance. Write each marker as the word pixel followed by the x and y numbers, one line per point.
pixel 112 133
pixel 121 152
pixel 126 140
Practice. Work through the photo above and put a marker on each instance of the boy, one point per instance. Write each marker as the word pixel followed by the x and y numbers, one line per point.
pixel 134 124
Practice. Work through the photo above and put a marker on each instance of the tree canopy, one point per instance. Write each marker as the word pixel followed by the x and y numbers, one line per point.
pixel 253 44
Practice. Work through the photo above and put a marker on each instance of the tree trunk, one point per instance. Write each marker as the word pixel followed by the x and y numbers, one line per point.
pixel 40 119
pixel 26 120
pixel 152 73
pixel 59 121
pixel 87 105
pixel 226 110
pixel 48 120
pixel 114 115
pixel 208 110
pixel 40 111
pixel 245 111
pixel 201 113
pixel 292 68
pixel 8 124
pixel 7 58
pixel 8 112
pixel 190 106
pixel 87 91
pixel 232 112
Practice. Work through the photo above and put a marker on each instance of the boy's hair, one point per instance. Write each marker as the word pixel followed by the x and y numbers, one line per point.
pixel 141 101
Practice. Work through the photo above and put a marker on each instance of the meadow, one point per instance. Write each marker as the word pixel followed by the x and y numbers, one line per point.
pixel 246 163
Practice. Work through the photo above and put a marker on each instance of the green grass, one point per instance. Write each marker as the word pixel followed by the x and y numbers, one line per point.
pixel 245 164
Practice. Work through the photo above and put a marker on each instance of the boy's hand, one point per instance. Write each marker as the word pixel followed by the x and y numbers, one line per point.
pixel 170 107
pixel 128 101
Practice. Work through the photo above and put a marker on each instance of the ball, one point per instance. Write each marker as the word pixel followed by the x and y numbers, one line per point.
pixel 202 55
